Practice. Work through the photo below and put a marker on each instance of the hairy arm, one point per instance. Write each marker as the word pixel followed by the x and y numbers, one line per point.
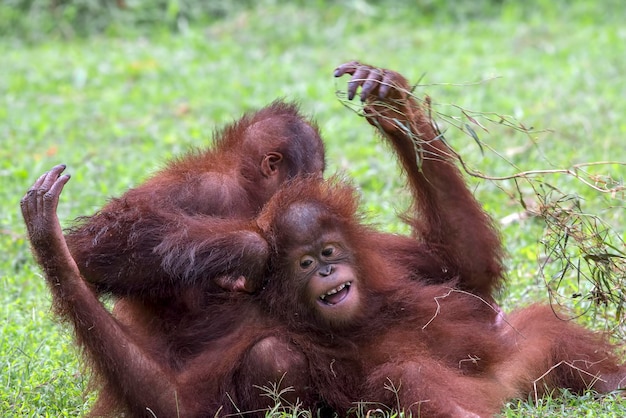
pixel 144 244
pixel 114 354
pixel 445 214
pixel 156 254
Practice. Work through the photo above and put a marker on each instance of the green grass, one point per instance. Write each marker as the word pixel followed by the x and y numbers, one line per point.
pixel 115 107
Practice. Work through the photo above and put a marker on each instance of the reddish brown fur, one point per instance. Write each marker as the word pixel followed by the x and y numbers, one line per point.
pixel 190 354
pixel 445 217
pixel 189 224
pixel 212 360
pixel 446 351
pixel 166 249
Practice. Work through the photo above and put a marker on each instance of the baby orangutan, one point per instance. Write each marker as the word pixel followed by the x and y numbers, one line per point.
pixel 365 324
pixel 372 311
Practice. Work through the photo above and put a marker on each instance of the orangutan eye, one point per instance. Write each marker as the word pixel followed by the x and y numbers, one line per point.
pixel 306 262
pixel 328 250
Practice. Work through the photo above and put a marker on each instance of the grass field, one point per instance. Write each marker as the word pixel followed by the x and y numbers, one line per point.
pixel 115 107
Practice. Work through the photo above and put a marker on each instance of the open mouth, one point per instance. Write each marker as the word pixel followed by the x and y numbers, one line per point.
pixel 337 294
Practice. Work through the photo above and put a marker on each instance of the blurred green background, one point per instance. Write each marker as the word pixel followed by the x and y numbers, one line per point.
pixel 115 88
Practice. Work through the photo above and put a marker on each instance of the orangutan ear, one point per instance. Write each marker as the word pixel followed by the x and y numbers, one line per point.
pixel 271 163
